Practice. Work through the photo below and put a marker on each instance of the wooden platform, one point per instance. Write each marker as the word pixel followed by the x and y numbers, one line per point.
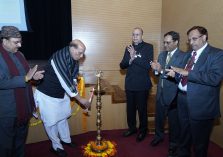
pixel 118 96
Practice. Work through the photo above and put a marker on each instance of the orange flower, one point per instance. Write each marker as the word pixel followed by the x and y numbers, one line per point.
pixel 107 149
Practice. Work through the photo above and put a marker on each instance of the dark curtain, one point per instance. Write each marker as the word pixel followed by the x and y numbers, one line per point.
pixel 50 28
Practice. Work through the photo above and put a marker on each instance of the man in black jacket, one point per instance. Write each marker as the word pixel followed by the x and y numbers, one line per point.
pixel 137 82
pixel 53 94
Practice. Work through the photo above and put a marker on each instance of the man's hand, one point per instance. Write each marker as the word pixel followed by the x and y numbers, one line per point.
pixel 132 51
pixel 85 102
pixel 31 73
pixel 180 71
pixel 172 72
pixel 38 75
pixel 156 66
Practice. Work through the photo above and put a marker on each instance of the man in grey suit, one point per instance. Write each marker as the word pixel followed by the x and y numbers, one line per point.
pixel 199 90
pixel 166 95
pixel 17 104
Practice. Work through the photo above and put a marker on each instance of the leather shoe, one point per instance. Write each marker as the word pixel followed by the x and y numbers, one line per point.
pixel 141 136
pixel 172 152
pixel 72 145
pixel 59 152
pixel 155 142
pixel 129 133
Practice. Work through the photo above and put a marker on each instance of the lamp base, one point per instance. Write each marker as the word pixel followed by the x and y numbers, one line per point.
pixel 105 148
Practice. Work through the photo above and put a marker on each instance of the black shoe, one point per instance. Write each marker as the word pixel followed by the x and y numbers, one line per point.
pixel 172 152
pixel 129 133
pixel 72 145
pixel 59 152
pixel 141 136
pixel 155 142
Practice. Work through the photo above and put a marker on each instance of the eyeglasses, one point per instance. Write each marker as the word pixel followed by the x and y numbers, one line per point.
pixel 16 42
pixel 80 53
pixel 194 38
pixel 136 34
pixel 167 42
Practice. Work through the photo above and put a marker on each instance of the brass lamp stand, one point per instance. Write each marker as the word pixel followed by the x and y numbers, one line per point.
pixel 99 145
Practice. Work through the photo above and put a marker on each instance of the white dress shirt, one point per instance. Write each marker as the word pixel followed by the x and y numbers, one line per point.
pixel 184 88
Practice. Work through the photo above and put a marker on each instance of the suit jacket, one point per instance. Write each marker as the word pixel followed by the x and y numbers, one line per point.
pixel 137 77
pixel 170 86
pixel 7 85
pixel 203 87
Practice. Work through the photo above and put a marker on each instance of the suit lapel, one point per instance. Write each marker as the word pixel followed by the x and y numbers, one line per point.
pixel 202 58
pixel 173 58
pixel 163 59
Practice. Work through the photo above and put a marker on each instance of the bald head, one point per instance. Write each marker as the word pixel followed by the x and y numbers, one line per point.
pixel 78 44
pixel 139 29
pixel 77 49
pixel 137 35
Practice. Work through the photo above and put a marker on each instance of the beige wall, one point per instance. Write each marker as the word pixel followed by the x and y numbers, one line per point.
pixel 180 15
pixel 106 28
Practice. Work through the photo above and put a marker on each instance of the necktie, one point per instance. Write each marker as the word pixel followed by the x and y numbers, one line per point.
pixel 188 68
pixel 168 57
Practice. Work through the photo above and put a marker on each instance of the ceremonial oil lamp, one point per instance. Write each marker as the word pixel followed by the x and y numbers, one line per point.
pixel 99 147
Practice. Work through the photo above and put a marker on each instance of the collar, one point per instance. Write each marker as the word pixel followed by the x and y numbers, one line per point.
pixel 172 52
pixel 199 52
pixel 138 43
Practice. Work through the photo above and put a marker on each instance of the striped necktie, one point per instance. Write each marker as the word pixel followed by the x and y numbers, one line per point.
pixel 188 68
pixel 168 57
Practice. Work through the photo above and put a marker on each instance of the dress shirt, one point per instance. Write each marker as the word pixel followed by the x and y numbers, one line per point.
pixel 184 88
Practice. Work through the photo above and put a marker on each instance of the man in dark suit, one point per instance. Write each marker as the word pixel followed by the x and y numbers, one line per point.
pixel 137 82
pixel 199 90
pixel 166 96
pixel 17 104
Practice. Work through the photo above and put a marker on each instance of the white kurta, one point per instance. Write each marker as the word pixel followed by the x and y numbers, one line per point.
pixel 52 110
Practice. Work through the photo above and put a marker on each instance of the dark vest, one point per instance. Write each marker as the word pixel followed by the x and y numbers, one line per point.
pixel 50 85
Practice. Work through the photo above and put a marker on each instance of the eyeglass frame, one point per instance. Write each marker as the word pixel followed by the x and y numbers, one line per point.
pixel 194 38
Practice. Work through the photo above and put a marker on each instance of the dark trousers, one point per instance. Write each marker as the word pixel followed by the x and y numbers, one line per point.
pixel 162 112
pixel 194 133
pixel 12 138
pixel 137 100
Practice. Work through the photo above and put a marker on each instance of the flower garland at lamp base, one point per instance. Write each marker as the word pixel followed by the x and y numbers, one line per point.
pixel 106 149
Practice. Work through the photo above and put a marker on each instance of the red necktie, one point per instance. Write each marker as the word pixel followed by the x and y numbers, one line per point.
pixel 188 68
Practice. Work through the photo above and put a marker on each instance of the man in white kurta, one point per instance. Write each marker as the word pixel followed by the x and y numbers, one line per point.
pixel 53 94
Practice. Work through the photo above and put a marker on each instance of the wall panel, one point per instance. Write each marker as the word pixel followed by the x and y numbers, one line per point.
pixel 106 27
